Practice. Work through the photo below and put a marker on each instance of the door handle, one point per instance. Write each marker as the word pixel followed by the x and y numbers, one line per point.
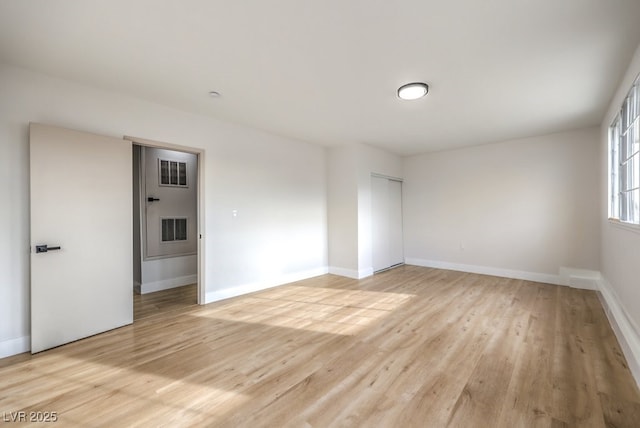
pixel 152 199
pixel 45 248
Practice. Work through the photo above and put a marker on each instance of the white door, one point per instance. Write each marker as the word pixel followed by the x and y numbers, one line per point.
pixel 171 202
pixel 81 202
pixel 386 222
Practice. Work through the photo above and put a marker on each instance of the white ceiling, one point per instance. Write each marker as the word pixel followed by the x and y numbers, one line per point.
pixel 327 71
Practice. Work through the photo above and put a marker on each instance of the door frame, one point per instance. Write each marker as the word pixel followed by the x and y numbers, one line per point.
pixel 200 201
pixel 401 181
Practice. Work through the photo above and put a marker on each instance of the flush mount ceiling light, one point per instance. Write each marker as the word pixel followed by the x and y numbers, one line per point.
pixel 413 91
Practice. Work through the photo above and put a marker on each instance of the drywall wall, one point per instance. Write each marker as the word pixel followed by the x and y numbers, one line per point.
pixel 169 272
pixel 519 208
pixel 277 187
pixel 349 170
pixel 342 210
pixel 620 255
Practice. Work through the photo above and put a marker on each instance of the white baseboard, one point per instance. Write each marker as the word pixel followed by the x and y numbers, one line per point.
pixel 580 278
pixel 214 296
pixel 625 329
pixel 165 284
pixel 485 270
pixel 15 346
pixel 365 272
pixel 351 273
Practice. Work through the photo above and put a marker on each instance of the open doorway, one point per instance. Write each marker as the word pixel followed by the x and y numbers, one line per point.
pixel 165 230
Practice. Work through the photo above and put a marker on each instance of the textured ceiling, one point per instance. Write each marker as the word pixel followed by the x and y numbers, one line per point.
pixel 327 71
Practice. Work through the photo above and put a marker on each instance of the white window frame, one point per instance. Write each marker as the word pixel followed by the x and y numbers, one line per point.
pixel 174 240
pixel 624 161
pixel 186 173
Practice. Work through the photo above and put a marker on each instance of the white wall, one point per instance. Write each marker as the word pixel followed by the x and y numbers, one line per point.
pixel 342 212
pixel 349 184
pixel 276 184
pixel 169 272
pixel 522 208
pixel 620 255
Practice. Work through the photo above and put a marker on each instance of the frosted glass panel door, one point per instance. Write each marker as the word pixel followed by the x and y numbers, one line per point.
pixel 81 228
pixel 386 222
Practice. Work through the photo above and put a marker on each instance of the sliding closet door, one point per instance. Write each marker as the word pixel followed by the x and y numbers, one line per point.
pixel 380 223
pixel 386 222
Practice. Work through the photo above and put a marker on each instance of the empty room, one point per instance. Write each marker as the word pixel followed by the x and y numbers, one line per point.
pixel 320 214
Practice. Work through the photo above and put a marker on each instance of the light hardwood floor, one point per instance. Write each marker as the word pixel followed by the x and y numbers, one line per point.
pixel 161 302
pixel 408 347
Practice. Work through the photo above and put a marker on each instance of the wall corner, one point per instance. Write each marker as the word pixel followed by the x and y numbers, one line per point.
pixel 626 331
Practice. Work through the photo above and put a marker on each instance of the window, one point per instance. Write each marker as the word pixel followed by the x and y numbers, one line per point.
pixel 173 173
pixel 624 160
pixel 174 229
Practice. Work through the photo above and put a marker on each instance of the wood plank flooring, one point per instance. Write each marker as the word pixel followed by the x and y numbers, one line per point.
pixel 408 347
pixel 161 302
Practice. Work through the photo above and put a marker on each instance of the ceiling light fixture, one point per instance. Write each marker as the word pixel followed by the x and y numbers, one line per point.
pixel 413 91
